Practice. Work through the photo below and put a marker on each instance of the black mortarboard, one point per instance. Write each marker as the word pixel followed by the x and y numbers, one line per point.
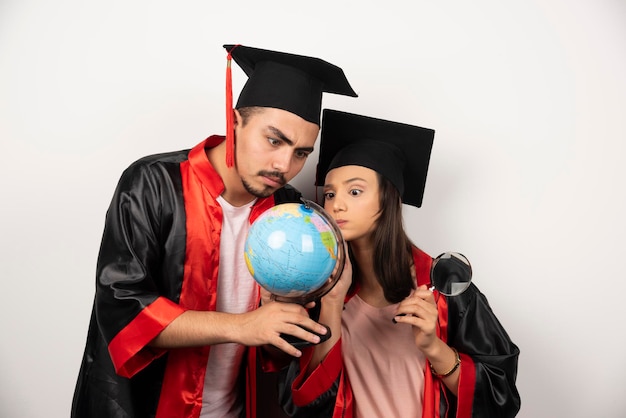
pixel 285 81
pixel 398 151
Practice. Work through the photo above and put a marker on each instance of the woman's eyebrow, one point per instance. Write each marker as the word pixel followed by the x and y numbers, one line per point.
pixel 350 180
pixel 353 179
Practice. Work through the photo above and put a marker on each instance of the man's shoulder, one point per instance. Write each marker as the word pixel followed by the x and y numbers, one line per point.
pixel 165 157
pixel 153 167
pixel 150 162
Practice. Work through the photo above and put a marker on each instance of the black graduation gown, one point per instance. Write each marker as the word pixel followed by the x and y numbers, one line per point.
pixel 159 257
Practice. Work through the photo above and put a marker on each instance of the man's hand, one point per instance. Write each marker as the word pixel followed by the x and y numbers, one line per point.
pixel 264 326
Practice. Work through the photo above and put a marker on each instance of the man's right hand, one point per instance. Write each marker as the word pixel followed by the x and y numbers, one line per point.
pixel 266 324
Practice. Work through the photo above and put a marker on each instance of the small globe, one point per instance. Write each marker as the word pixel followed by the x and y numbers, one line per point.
pixel 292 251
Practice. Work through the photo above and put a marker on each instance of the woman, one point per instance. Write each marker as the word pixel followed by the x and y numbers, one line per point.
pixel 397 348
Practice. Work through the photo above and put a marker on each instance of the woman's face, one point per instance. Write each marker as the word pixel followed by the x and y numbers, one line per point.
pixel 351 196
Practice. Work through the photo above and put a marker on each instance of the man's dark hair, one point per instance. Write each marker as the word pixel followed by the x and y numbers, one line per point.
pixel 247 112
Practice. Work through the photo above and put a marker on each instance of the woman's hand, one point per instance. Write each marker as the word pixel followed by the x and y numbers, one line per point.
pixel 330 314
pixel 420 311
pixel 338 293
pixel 266 296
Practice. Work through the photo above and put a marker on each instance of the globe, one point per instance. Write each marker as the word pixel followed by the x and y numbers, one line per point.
pixel 295 251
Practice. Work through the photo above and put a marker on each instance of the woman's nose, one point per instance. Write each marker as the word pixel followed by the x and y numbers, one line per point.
pixel 338 205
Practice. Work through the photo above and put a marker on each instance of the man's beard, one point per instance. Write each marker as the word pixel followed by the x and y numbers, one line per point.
pixel 266 190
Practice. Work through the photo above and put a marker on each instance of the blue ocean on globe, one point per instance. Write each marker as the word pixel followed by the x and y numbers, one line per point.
pixel 291 250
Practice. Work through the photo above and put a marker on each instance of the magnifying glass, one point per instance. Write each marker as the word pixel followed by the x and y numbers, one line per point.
pixel 450 274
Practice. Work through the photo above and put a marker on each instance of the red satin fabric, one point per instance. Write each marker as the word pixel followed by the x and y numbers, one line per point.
pixel 128 349
pixel 181 392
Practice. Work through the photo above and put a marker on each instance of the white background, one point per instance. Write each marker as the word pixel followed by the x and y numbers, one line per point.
pixel 527 173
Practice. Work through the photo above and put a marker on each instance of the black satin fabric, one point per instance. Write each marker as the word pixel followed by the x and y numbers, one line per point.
pixel 322 407
pixel 473 329
pixel 141 257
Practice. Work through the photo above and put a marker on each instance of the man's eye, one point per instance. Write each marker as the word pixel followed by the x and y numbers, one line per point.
pixel 302 154
pixel 273 141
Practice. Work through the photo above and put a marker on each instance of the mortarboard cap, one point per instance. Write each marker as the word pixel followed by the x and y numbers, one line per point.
pixel 398 151
pixel 294 83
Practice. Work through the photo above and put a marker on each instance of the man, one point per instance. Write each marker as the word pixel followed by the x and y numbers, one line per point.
pixel 175 308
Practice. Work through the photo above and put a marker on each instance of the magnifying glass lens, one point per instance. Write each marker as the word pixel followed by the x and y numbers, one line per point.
pixel 451 273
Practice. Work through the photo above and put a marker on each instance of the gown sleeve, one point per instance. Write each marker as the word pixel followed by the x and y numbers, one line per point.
pixel 129 305
pixel 488 359
pixel 313 396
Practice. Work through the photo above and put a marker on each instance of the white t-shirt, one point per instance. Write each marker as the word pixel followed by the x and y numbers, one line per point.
pixel 237 292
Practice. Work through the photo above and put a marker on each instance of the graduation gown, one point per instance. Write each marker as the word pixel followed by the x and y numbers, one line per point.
pixel 159 257
pixel 467 323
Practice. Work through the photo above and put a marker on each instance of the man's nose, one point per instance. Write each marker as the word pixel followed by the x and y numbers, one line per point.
pixel 282 160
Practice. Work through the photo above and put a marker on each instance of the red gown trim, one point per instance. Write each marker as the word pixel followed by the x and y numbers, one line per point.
pixel 181 393
pixel 129 348
pixel 467 378
pixel 307 390
pixel 432 386
pixel 467 385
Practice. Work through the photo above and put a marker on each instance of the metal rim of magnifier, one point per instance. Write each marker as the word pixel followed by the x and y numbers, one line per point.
pixel 442 265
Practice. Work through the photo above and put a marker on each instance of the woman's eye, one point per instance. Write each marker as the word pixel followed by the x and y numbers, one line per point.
pixel 355 192
pixel 329 195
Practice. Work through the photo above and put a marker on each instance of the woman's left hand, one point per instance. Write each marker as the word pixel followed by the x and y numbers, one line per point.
pixel 420 311
pixel 266 296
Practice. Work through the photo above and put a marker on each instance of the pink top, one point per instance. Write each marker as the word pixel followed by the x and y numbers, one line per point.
pixel 384 367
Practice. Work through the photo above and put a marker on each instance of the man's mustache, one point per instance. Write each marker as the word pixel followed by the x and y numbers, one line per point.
pixel 275 175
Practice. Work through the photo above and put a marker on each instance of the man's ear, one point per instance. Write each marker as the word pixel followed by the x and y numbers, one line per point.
pixel 237 118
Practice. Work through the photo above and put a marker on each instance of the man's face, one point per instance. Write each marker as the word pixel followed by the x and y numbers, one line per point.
pixel 271 148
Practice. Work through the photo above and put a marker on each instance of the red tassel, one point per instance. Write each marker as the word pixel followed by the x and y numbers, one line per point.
pixel 230 128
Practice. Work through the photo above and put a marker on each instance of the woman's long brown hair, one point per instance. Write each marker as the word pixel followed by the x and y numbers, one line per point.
pixel 392 247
